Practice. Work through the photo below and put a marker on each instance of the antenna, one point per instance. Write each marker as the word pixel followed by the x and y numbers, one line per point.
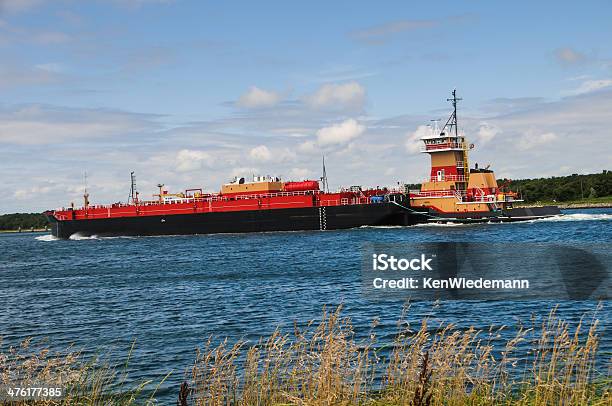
pixel 85 193
pixel 160 186
pixel 435 125
pixel 324 177
pixel 452 120
pixel 133 193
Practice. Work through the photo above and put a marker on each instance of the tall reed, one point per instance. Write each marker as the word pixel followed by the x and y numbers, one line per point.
pixel 91 381
pixel 324 364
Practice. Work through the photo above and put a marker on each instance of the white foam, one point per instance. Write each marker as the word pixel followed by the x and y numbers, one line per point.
pixel 576 217
pixel 79 237
pixel 443 224
pixel 46 237
pixel 382 226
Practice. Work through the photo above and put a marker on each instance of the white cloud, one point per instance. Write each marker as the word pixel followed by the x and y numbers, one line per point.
pixel 531 140
pixel 308 147
pixel 300 173
pixel 413 141
pixel 260 153
pixel 21 75
pixel 245 172
pixel 284 155
pixel 51 67
pixel 592 85
pixel 24 194
pixel 338 96
pixel 191 160
pixel 340 133
pixel 258 98
pixel 34 124
pixel 487 132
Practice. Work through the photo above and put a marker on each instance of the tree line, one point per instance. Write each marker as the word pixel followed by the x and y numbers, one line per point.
pixel 24 221
pixel 562 188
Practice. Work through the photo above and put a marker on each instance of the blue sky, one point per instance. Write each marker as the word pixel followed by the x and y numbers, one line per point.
pixel 190 93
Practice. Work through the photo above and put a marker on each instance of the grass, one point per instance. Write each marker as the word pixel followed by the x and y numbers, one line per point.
pixel 324 363
pixel 84 382
pixel 546 364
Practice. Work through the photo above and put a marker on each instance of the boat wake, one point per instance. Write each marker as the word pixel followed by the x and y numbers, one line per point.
pixel 444 224
pixel 79 237
pixel 46 237
pixel 382 227
pixel 575 217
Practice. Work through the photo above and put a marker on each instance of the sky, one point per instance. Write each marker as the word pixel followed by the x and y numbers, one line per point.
pixel 193 93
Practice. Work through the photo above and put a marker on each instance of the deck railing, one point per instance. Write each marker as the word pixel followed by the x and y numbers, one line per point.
pixel 446 145
pixel 206 198
pixel 356 199
pixel 449 178
pixel 433 193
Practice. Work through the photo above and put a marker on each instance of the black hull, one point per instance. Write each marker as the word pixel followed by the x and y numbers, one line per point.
pixel 309 218
pixel 543 211
pixel 504 216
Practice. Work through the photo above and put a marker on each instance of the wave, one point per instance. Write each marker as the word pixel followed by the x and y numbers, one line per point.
pixel 79 237
pixel 445 224
pixel 46 237
pixel 557 218
pixel 575 217
pixel 383 226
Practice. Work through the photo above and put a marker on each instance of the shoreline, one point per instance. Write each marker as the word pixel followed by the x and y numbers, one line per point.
pixel 603 205
pixel 36 230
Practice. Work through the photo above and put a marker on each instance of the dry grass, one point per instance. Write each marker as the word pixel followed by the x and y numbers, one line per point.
pixel 547 364
pixel 84 382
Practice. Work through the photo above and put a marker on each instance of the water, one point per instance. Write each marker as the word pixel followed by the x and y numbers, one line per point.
pixel 171 293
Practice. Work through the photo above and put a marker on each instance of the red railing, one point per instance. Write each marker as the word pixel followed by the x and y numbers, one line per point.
pixel 446 145
pixel 433 193
pixel 449 178
pixel 206 198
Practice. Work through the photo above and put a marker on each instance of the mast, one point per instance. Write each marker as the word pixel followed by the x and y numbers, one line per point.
pixel 452 120
pixel 133 197
pixel 85 193
pixel 161 187
pixel 324 177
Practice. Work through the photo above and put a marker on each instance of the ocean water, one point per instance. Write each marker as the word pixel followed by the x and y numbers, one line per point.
pixel 172 293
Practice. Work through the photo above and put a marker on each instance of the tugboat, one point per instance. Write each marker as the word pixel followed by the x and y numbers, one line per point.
pixel 456 193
